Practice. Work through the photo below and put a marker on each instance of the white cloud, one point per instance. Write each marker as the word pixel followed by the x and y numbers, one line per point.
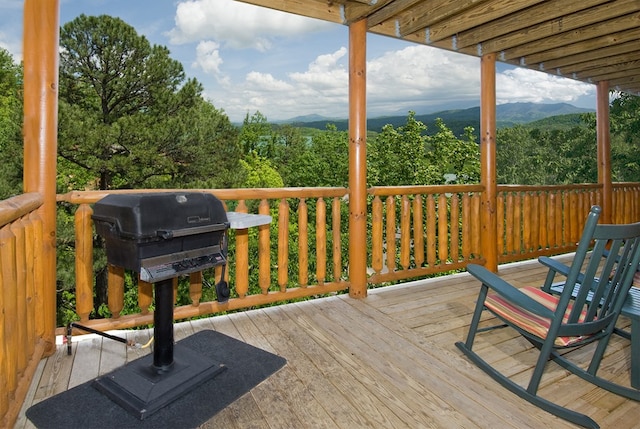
pixel 420 76
pixel 324 73
pixel 14 47
pixel 413 78
pixel 266 82
pixel 526 85
pixel 208 57
pixel 321 89
pixel 402 78
pixel 236 24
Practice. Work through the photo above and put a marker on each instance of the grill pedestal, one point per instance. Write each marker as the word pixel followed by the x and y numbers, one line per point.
pixel 149 383
pixel 145 385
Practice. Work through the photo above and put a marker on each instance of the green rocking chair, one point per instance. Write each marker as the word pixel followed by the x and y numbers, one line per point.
pixel 586 311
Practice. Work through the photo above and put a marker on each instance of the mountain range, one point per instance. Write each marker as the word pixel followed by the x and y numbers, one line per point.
pixel 507 115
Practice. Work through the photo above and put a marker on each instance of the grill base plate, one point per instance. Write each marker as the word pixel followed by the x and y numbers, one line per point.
pixel 142 389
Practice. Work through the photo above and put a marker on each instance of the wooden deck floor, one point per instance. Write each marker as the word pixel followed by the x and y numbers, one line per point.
pixel 387 361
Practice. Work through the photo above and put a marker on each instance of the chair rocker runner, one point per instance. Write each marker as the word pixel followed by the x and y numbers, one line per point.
pixel 555 322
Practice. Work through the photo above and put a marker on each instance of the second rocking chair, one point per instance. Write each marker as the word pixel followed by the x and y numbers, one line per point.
pixel 599 278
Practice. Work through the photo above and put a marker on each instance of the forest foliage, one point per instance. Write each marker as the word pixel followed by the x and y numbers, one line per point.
pixel 129 117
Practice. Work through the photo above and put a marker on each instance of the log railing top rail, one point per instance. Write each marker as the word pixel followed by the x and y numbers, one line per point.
pixel 89 197
pixel 18 206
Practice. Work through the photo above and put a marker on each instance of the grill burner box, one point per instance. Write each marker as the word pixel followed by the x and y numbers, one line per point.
pixel 162 235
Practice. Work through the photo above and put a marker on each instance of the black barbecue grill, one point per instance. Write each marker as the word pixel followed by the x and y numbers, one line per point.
pixel 161 236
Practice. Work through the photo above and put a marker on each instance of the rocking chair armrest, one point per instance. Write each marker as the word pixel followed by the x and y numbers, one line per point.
pixel 555 267
pixel 508 291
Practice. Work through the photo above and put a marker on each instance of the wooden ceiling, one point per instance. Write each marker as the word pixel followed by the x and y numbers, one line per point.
pixel 586 40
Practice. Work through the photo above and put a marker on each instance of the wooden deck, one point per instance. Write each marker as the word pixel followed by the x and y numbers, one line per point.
pixel 387 361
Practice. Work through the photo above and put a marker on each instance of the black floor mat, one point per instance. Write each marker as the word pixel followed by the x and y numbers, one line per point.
pixel 86 407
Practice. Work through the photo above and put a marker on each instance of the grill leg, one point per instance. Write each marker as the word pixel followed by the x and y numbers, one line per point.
pixel 163 326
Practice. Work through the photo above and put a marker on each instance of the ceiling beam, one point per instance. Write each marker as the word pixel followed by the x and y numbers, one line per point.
pixel 585 34
pixel 475 16
pixel 595 55
pixel 607 44
pixel 604 66
pixel 429 13
pixel 521 20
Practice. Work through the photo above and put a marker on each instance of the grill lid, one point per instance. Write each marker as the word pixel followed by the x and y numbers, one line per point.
pixel 158 215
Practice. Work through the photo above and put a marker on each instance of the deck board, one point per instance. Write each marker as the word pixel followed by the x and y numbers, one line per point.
pixel 388 360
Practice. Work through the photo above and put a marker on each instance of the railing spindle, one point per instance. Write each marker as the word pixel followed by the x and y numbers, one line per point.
pixel 321 241
pixel 418 231
pixel 431 230
pixel 195 288
pixel 303 243
pixel 391 233
pixel 242 256
pixel 466 226
pixel 455 228
pixel 405 232
pixel 145 295
pixel 8 317
pixel 283 244
pixel 528 216
pixel 115 290
pixel 84 262
pixel 336 239
pixel 443 229
pixel 264 250
pixel 17 228
pixel 376 234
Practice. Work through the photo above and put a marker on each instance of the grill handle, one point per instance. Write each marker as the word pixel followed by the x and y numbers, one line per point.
pixel 169 234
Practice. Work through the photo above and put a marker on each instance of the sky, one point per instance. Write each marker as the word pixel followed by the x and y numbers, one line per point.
pixel 252 59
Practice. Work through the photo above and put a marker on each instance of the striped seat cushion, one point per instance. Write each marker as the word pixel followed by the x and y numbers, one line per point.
pixel 636 280
pixel 532 323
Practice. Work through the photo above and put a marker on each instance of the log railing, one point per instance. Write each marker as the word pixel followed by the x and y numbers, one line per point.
pixel 541 220
pixel 311 219
pixel 626 203
pixel 422 230
pixel 415 231
pixel 21 300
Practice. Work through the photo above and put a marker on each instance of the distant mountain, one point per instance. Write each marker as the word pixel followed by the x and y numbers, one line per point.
pixel 508 114
pixel 305 119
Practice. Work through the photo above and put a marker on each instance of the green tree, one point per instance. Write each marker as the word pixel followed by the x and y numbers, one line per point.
pixel 456 160
pixel 625 117
pixel 130 118
pixel 289 149
pixel 255 134
pixel 534 156
pixel 11 148
pixel 260 173
pixel 329 163
pixel 129 115
pixel 408 156
pixel 625 139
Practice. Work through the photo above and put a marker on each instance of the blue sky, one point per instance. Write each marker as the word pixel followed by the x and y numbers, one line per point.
pixel 254 59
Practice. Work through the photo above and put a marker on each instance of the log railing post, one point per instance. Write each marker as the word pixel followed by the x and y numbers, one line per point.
pixel 40 51
pixel 604 150
pixel 488 219
pixel 358 159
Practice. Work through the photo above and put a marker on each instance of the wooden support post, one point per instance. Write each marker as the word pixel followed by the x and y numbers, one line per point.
pixel 604 150
pixel 358 159
pixel 488 218
pixel 40 52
